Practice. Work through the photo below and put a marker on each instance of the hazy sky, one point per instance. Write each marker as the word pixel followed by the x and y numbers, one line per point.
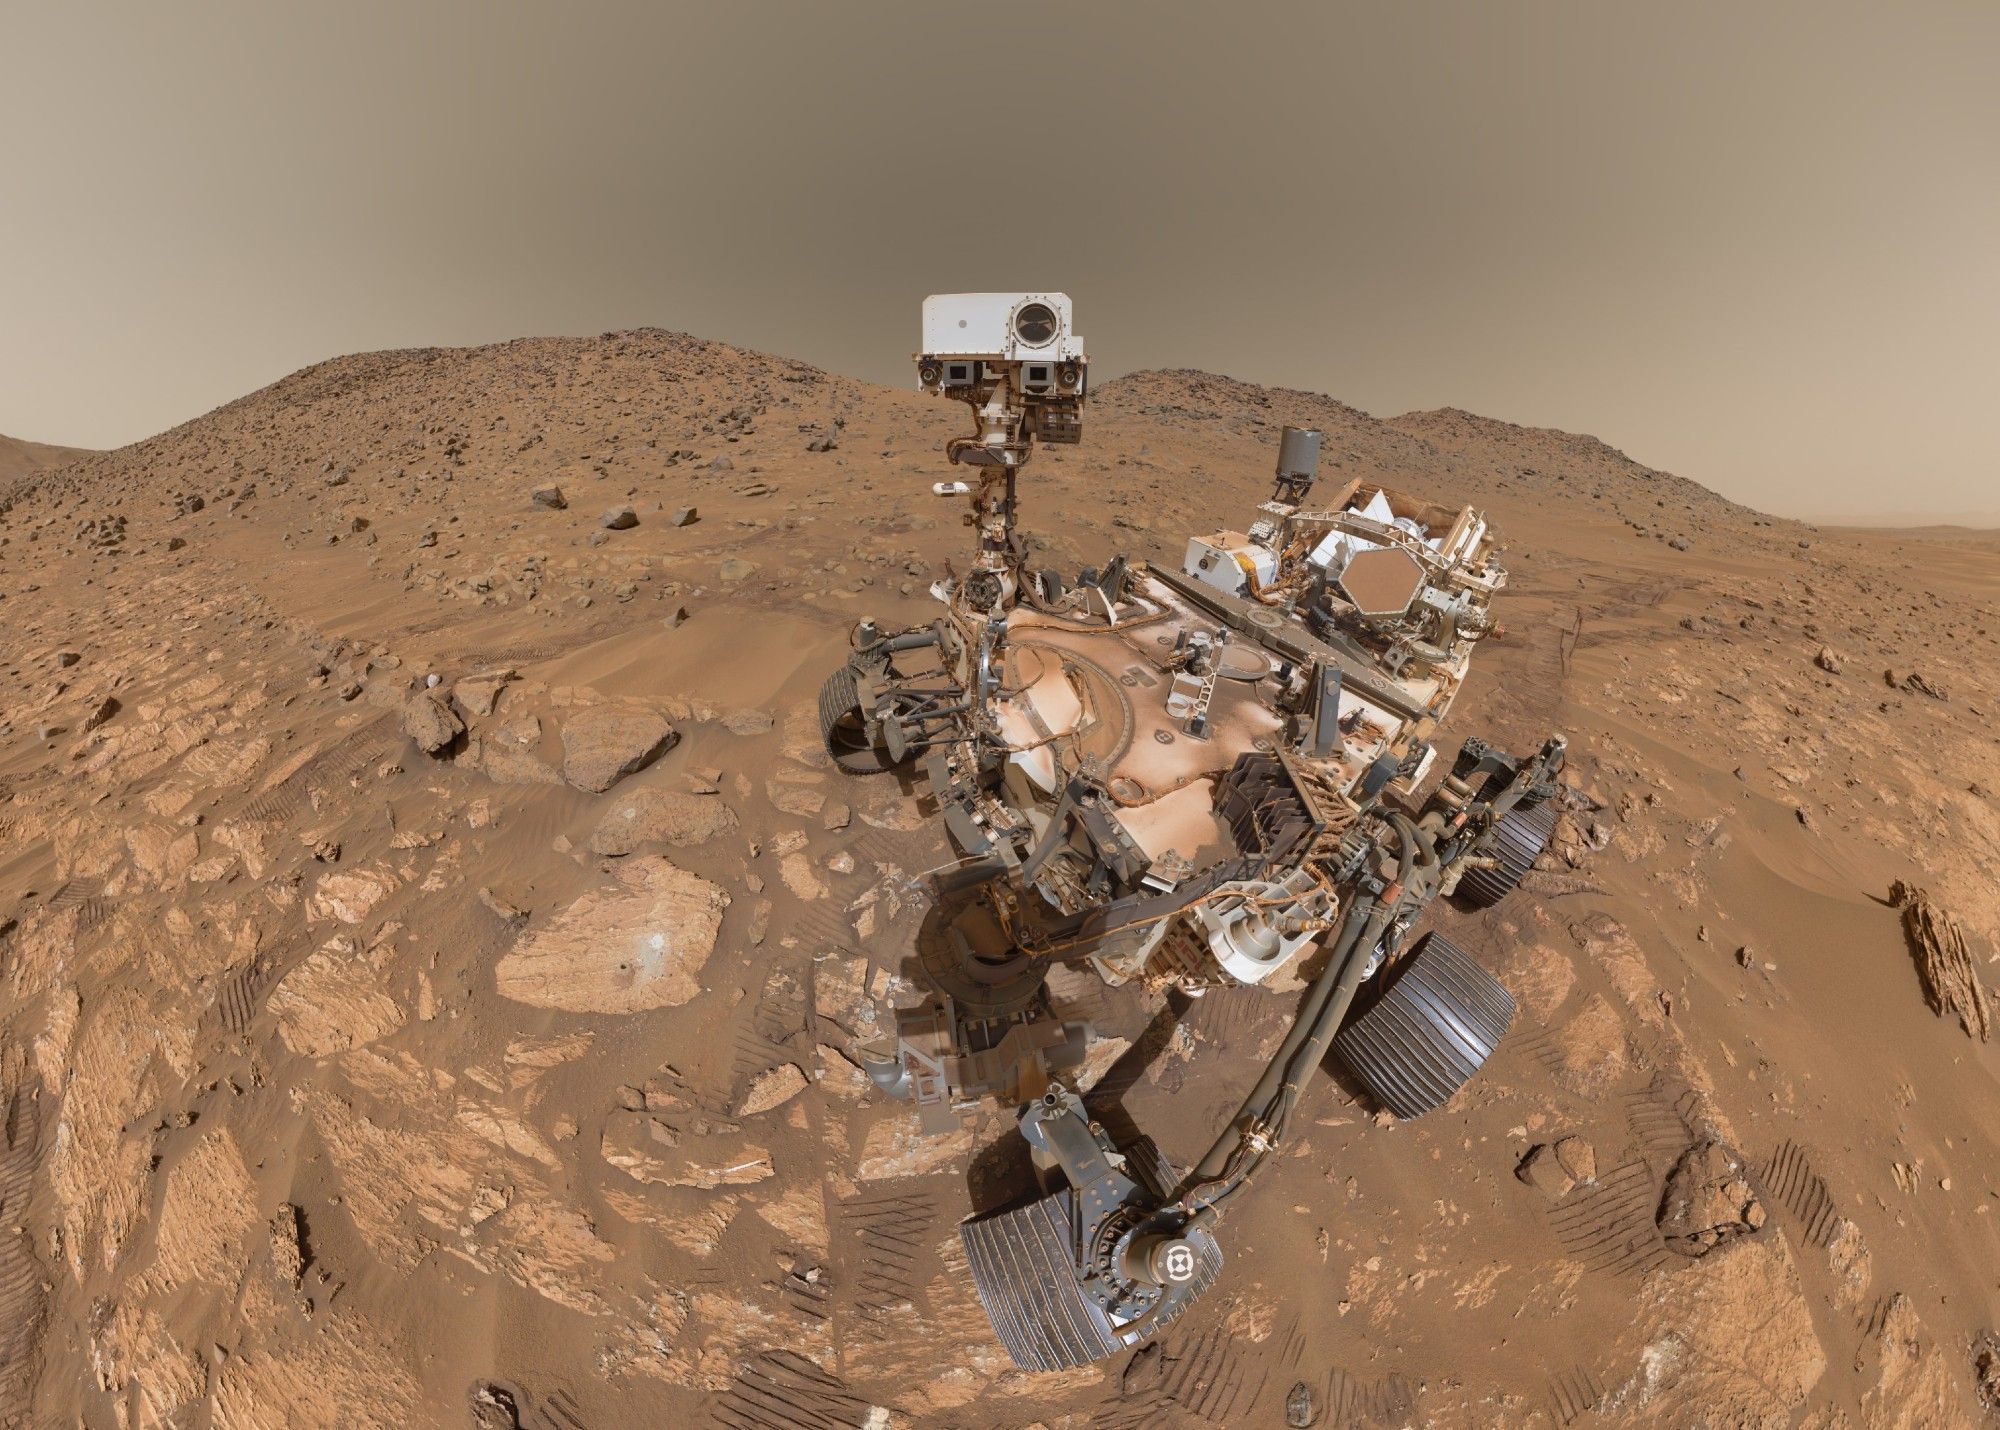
pixel 1756 244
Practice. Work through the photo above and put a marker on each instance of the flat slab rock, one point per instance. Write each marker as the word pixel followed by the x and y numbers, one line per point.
pixel 647 1149
pixel 638 944
pixel 661 816
pixel 771 1088
pixel 604 743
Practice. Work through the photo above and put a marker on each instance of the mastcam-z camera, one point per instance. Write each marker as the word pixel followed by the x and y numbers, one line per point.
pixel 1016 358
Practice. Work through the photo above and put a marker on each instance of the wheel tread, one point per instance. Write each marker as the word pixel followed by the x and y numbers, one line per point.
pixel 1516 843
pixel 1431 1031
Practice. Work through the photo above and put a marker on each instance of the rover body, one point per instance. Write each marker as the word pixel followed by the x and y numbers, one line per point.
pixel 1221 773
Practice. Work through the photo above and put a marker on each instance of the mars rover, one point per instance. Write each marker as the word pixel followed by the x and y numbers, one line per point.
pixel 1193 779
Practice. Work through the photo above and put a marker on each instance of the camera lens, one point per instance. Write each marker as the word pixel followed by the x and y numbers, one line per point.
pixel 1035 324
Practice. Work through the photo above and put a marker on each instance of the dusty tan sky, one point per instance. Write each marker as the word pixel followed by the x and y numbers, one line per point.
pixel 1757 244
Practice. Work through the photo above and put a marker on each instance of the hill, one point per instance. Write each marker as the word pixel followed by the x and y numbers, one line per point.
pixel 435 942
pixel 18 458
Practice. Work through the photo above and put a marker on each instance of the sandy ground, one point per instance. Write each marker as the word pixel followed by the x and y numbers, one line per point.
pixel 434 942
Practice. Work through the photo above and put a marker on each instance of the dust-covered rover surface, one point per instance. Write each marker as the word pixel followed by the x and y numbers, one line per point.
pixel 1193 778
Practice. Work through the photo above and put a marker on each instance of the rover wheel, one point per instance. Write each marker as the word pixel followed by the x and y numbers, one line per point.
pixel 844 726
pixel 1516 842
pixel 1438 1023
pixel 1022 1266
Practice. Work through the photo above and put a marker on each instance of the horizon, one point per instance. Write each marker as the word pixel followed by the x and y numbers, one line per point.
pixel 1971 519
pixel 1767 265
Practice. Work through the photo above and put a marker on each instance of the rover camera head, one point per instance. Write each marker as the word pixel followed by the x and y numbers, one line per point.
pixel 972 338
pixel 976 342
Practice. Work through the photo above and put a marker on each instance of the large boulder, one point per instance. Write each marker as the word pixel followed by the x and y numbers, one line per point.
pixel 605 743
pixel 430 722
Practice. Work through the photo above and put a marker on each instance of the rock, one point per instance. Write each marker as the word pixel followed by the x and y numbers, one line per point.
pixel 619 518
pixel 494 1407
pixel 736 569
pixel 840 1076
pixel 647 1149
pixel 1679 543
pixel 637 944
pixel 176 543
pixel 771 1088
pixel 348 896
pixel 1299 1410
pixel 604 743
pixel 333 1002
pixel 1736 1344
pixel 550 496
pixel 897 1147
pixel 506 911
pixel 1543 1170
pixel 287 1251
pixel 430 722
pixel 795 799
pixel 102 711
pixel 748 722
pixel 1951 980
pixel 67 658
pixel 1828 660
pixel 682 516
pixel 477 694
pixel 1591 1048
pixel 1986 1373
pixel 721 464
pixel 1708 1200
pixel 1577 1157
pixel 661 816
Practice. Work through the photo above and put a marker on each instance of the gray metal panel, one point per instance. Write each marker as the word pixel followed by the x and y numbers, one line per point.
pixel 1298 452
